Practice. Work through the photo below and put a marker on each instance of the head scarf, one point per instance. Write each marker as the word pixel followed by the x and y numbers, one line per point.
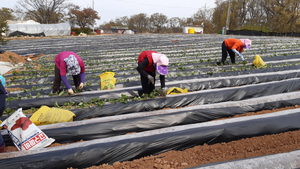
pixel 246 43
pixel 161 63
pixel 73 67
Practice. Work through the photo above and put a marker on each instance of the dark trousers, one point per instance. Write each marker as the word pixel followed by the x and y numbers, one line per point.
pixel 2 99
pixel 57 80
pixel 224 54
pixel 147 86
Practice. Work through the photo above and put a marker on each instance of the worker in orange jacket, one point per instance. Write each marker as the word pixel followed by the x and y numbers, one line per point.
pixel 234 47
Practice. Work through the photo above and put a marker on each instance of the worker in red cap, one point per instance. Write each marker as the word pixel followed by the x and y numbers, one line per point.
pixel 68 62
pixel 150 62
pixel 234 47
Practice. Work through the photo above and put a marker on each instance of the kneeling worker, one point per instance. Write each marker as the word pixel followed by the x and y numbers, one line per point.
pixel 148 63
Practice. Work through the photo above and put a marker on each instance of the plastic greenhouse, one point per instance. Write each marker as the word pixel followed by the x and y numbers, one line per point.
pixel 39 29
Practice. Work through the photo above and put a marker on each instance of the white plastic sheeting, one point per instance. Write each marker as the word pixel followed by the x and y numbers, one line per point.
pixel 48 29
pixel 7 66
pixel 128 32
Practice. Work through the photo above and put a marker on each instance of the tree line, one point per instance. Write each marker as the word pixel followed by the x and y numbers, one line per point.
pixel 51 12
pixel 261 15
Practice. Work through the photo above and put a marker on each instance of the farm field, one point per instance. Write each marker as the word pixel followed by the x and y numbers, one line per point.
pixel 231 112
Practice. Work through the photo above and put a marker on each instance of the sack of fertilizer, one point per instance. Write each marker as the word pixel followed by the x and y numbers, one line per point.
pixel 25 134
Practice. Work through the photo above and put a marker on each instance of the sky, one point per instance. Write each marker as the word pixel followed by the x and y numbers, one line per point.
pixel 112 9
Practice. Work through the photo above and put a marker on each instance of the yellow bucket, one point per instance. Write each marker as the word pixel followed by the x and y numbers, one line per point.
pixel 258 61
pixel 107 81
pixel 191 30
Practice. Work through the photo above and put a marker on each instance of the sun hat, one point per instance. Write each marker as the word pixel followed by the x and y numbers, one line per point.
pixel 161 63
pixel 73 67
pixel 246 43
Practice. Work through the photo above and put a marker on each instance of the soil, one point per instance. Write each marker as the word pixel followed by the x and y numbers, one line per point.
pixel 10 148
pixel 12 57
pixel 14 89
pixel 15 59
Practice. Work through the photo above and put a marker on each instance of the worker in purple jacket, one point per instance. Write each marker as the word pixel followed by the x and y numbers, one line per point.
pixel 70 63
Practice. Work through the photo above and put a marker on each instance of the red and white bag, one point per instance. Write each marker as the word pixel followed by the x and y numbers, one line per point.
pixel 25 134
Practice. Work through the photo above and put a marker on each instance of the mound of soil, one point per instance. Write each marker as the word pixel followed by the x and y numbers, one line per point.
pixel 15 58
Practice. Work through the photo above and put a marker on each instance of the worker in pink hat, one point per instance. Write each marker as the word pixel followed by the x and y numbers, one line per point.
pixel 234 47
pixel 150 62
pixel 70 63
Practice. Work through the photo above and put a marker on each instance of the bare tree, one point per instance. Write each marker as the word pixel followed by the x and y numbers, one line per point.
pixel 186 22
pixel 204 18
pixel 3 29
pixel 159 20
pixel 139 22
pixel 174 24
pixel 6 14
pixel 107 26
pixel 283 16
pixel 267 15
pixel 219 15
pixel 43 11
pixel 83 18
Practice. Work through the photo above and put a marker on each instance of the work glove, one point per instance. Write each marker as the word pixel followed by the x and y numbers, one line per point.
pixel 164 91
pixel 151 79
pixel 80 86
pixel 70 91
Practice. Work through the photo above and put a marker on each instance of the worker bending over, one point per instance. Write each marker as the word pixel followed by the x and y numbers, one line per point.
pixel 68 62
pixel 148 63
pixel 234 47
